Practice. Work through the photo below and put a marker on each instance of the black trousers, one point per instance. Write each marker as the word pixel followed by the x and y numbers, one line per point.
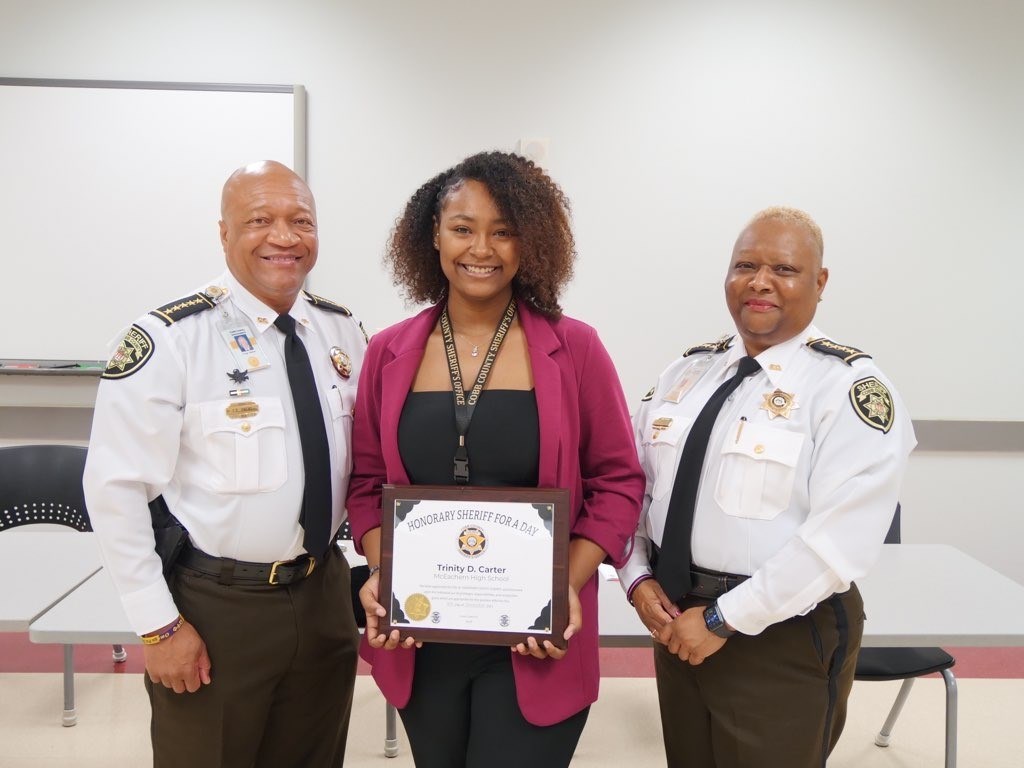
pixel 764 701
pixel 463 712
pixel 283 669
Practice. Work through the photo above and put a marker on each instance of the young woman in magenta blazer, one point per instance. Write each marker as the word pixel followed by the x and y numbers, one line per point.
pixel 483 238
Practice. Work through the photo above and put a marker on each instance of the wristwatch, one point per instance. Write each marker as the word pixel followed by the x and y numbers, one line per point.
pixel 715 622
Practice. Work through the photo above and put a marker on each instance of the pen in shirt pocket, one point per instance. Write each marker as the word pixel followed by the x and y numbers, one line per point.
pixel 739 429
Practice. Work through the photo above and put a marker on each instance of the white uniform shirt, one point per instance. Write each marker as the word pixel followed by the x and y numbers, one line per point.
pixel 800 502
pixel 235 482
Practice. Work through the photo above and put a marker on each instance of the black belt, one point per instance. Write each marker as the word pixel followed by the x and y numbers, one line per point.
pixel 229 572
pixel 712 584
pixel 705 583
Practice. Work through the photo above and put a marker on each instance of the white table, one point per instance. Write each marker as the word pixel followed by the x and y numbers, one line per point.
pixel 916 595
pixel 934 594
pixel 39 568
pixel 92 613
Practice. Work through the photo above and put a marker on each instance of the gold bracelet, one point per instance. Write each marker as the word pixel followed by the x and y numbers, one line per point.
pixel 162 634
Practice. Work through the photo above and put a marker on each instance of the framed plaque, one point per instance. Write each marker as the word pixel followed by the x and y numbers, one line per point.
pixel 466 564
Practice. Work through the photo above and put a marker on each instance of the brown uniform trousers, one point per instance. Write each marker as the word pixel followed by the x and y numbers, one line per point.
pixel 773 700
pixel 283 667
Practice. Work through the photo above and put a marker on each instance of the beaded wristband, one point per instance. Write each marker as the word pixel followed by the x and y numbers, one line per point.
pixel 162 634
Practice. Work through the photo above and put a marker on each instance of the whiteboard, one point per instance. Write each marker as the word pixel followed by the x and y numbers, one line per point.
pixel 111 196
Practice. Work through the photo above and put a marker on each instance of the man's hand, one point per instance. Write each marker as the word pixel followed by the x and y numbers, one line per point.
pixel 179 662
pixel 688 636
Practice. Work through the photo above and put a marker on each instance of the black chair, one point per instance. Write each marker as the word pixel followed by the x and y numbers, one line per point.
pixel 42 484
pixel 907 664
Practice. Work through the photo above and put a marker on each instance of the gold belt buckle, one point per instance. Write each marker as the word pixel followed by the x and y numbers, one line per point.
pixel 273 571
pixel 272 579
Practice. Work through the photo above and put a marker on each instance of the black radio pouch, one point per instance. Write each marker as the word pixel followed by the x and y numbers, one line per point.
pixel 169 534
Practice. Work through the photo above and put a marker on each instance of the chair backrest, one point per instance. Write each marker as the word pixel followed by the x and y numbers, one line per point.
pixel 42 484
pixel 893 536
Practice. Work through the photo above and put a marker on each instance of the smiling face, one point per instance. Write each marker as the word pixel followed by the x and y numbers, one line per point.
pixel 478 248
pixel 774 282
pixel 268 230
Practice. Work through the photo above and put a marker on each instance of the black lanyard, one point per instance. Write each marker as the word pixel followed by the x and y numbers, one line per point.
pixel 464 405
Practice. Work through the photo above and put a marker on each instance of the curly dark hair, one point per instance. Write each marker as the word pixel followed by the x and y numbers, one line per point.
pixel 534 206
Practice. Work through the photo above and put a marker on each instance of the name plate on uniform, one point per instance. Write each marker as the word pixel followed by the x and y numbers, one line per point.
pixel 464 564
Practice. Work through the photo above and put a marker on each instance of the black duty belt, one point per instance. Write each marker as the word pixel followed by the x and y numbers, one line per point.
pixel 712 584
pixel 706 583
pixel 229 572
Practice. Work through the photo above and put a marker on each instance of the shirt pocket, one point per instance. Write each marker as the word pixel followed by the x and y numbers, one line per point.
pixel 757 472
pixel 244 441
pixel 661 448
pixel 341 403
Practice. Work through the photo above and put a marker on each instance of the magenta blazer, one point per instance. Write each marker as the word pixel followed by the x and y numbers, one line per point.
pixel 586 445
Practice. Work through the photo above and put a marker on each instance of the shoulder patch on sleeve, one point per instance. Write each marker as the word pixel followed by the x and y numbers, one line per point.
pixel 872 402
pixel 132 353
pixel 322 303
pixel 648 396
pixel 176 310
pixel 829 347
pixel 712 346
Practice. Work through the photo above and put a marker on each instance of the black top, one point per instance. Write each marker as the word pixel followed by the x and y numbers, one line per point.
pixel 503 438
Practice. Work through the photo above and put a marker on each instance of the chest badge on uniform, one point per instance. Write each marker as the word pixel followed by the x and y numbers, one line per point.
pixel 779 403
pixel 659 425
pixel 243 410
pixel 238 376
pixel 873 403
pixel 342 362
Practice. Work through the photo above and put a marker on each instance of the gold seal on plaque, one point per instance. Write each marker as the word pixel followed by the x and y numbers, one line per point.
pixel 417 606
pixel 244 410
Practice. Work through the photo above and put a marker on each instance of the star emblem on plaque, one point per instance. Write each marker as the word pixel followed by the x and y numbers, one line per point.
pixel 472 541
pixel 779 403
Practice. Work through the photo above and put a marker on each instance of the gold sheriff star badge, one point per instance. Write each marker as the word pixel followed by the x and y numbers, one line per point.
pixel 779 403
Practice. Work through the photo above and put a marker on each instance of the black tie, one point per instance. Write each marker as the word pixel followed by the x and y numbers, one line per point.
pixel 315 515
pixel 672 569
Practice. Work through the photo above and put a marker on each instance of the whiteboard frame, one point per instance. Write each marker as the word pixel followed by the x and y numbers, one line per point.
pixel 299 135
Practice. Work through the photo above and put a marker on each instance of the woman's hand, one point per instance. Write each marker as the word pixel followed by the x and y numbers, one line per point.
pixel 549 650
pixel 375 612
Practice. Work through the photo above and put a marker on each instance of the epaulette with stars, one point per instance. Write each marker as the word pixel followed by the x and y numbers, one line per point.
pixel 844 353
pixel 322 303
pixel 714 346
pixel 190 305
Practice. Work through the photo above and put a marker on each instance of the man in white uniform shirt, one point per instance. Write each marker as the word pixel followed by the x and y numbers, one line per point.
pixel 242 601
pixel 758 625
